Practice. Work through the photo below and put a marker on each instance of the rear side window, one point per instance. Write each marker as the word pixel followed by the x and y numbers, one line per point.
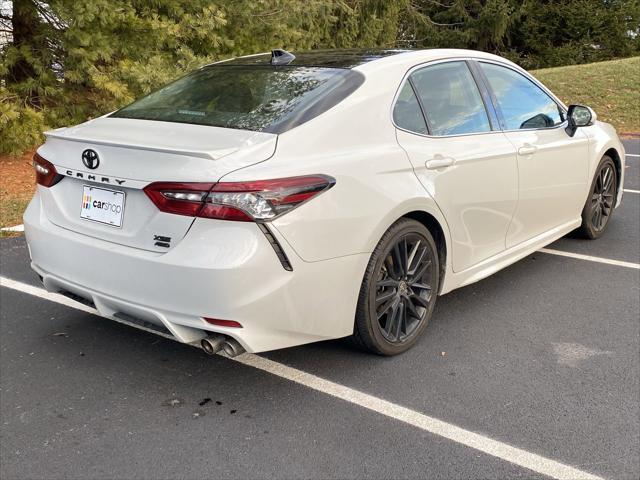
pixel 523 104
pixel 407 113
pixel 451 99
pixel 261 98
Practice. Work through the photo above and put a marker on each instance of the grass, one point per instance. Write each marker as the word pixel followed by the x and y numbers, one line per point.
pixel 16 189
pixel 611 88
pixel 11 210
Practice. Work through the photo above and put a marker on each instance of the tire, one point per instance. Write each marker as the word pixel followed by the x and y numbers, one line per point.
pixel 399 290
pixel 601 201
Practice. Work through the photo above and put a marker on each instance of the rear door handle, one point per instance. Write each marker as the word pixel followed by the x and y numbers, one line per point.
pixel 527 149
pixel 439 163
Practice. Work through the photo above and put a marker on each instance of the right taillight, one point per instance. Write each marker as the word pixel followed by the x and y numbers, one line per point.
pixel 260 200
pixel 46 174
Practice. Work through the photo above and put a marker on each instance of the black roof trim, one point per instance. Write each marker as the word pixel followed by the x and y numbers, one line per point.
pixel 321 58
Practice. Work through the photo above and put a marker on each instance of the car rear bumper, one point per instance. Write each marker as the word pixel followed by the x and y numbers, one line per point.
pixel 222 270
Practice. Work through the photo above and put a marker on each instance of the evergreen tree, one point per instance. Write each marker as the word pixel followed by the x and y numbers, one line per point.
pixel 63 61
pixel 71 60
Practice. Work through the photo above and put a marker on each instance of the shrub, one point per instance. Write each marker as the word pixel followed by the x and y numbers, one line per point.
pixel 21 126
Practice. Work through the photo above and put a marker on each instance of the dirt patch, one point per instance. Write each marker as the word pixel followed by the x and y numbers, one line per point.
pixel 17 184
pixel 17 176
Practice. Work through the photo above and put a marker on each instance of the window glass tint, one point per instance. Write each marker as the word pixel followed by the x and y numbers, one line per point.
pixel 407 113
pixel 523 104
pixel 263 98
pixel 451 99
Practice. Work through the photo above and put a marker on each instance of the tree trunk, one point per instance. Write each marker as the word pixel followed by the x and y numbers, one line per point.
pixel 25 22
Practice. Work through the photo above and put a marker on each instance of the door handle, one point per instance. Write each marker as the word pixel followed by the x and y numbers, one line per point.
pixel 527 149
pixel 442 162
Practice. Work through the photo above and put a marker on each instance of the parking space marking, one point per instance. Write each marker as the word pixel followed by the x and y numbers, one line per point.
pixel 479 442
pixel 628 190
pixel 589 258
pixel 61 299
pixel 15 228
pixel 631 155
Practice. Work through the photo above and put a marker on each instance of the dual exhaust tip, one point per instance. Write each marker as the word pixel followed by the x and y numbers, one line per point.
pixel 215 343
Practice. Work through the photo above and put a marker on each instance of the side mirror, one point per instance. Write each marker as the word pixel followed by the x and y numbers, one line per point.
pixel 579 116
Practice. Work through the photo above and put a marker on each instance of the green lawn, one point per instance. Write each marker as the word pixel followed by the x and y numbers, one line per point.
pixel 11 209
pixel 611 88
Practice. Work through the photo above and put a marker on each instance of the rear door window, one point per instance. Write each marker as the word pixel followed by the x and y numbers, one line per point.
pixel 524 105
pixel 451 99
pixel 407 113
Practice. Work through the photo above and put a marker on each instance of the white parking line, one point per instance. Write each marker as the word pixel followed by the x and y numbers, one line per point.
pixel 16 228
pixel 481 443
pixel 628 190
pixel 580 256
pixel 631 155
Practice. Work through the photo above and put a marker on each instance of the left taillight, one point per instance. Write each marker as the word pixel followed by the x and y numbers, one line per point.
pixel 46 174
pixel 255 201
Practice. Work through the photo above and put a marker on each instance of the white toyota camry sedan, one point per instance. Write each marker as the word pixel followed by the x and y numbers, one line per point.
pixel 279 199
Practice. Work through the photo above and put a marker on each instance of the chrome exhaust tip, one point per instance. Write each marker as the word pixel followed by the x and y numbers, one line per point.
pixel 232 348
pixel 213 344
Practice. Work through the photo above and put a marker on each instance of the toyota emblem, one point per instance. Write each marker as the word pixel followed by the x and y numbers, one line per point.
pixel 90 159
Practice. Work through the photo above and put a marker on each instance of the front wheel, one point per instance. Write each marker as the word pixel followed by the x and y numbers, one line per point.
pixel 600 203
pixel 398 291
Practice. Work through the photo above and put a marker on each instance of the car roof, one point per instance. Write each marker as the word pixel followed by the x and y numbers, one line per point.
pixel 337 58
pixel 366 59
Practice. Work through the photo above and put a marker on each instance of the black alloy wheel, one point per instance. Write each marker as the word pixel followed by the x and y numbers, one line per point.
pixel 399 290
pixel 601 201
pixel 602 197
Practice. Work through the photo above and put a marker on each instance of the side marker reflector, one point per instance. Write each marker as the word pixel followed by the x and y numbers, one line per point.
pixel 222 323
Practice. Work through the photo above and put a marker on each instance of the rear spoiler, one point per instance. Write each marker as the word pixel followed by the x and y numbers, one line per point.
pixel 138 146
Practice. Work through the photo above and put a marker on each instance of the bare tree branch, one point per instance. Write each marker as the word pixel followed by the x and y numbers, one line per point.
pixel 49 17
pixel 443 24
pixel 267 14
pixel 413 40
pixel 417 9
pixel 442 4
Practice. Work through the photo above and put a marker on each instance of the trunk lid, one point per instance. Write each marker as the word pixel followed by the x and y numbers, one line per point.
pixel 130 155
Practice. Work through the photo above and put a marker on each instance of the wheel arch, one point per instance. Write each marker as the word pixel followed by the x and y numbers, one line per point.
pixel 615 156
pixel 432 224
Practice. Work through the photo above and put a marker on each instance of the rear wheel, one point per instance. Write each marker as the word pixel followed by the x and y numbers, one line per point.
pixel 398 291
pixel 598 209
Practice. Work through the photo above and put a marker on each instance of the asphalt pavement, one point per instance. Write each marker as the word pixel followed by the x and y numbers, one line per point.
pixel 543 356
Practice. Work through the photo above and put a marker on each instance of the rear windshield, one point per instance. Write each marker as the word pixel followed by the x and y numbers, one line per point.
pixel 260 98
